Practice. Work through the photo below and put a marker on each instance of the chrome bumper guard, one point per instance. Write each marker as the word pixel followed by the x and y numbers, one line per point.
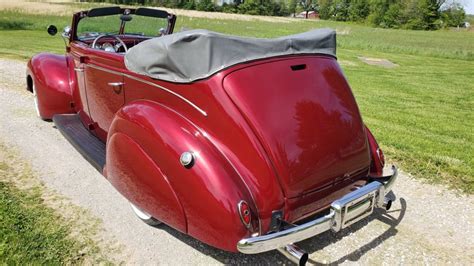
pixel 344 212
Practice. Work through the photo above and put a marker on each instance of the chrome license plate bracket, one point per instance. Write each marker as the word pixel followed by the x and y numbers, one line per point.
pixel 355 206
pixel 358 209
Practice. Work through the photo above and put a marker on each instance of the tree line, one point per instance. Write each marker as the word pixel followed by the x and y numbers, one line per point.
pixel 407 14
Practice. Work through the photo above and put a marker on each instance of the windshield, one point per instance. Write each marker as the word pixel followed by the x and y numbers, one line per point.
pixel 139 25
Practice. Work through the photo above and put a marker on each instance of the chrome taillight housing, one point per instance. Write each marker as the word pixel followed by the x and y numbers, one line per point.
pixel 245 213
pixel 249 217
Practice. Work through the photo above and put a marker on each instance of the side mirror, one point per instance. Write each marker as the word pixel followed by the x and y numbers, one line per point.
pixel 52 30
pixel 66 32
pixel 162 32
pixel 126 18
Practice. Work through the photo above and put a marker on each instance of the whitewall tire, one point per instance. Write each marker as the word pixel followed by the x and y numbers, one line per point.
pixel 144 216
pixel 35 99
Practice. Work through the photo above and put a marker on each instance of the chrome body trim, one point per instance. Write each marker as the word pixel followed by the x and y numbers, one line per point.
pixel 115 84
pixel 343 212
pixel 151 84
pixel 169 91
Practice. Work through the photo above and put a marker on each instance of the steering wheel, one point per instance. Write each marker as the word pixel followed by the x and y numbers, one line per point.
pixel 94 43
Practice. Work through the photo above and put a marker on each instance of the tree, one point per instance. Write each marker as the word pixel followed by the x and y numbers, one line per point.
pixel 431 13
pixel 392 17
pixel 359 10
pixel 341 10
pixel 423 14
pixel 377 11
pixel 205 5
pixel 308 5
pixel 292 7
pixel 325 9
pixel 454 15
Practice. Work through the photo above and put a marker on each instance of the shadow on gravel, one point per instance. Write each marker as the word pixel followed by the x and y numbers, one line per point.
pixel 310 245
pixel 381 215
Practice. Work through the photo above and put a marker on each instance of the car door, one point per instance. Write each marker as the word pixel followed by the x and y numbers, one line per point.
pixel 80 95
pixel 105 89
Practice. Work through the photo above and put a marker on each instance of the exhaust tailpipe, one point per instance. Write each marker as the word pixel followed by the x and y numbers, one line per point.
pixel 295 254
pixel 387 203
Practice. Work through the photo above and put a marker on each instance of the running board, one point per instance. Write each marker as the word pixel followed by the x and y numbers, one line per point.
pixel 88 145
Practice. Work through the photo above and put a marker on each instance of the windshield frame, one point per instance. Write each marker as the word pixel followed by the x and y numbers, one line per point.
pixel 116 10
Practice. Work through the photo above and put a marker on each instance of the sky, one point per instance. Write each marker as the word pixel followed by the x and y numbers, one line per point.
pixel 468 6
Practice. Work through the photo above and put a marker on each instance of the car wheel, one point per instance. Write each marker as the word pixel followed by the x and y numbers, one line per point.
pixel 145 217
pixel 35 98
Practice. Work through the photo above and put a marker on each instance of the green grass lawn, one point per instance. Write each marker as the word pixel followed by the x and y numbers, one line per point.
pixel 421 111
pixel 31 231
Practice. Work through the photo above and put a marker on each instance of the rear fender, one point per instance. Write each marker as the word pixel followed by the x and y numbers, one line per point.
pixel 50 75
pixel 208 192
pixel 377 158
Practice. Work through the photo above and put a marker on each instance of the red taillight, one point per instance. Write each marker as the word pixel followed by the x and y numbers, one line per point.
pixel 245 214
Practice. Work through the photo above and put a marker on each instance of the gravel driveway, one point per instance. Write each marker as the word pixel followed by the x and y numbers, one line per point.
pixel 426 225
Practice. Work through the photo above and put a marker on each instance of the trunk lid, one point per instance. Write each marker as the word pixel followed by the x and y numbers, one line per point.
pixel 305 116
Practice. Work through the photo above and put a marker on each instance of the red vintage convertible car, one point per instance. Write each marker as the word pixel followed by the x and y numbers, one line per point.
pixel 246 144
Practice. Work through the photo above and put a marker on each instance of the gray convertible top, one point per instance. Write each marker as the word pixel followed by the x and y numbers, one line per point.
pixel 197 54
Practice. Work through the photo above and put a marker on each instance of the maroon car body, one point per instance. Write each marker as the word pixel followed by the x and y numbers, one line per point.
pixel 270 146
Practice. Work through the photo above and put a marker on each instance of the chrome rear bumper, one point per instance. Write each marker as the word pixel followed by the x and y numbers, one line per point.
pixel 344 212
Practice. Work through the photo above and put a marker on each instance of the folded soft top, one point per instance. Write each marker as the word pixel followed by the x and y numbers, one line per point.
pixel 197 54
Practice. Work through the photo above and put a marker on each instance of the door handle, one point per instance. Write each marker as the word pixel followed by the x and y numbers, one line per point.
pixel 116 86
pixel 78 69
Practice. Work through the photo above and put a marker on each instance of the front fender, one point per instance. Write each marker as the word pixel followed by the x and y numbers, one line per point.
pixel 208 192
pixel 49 73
